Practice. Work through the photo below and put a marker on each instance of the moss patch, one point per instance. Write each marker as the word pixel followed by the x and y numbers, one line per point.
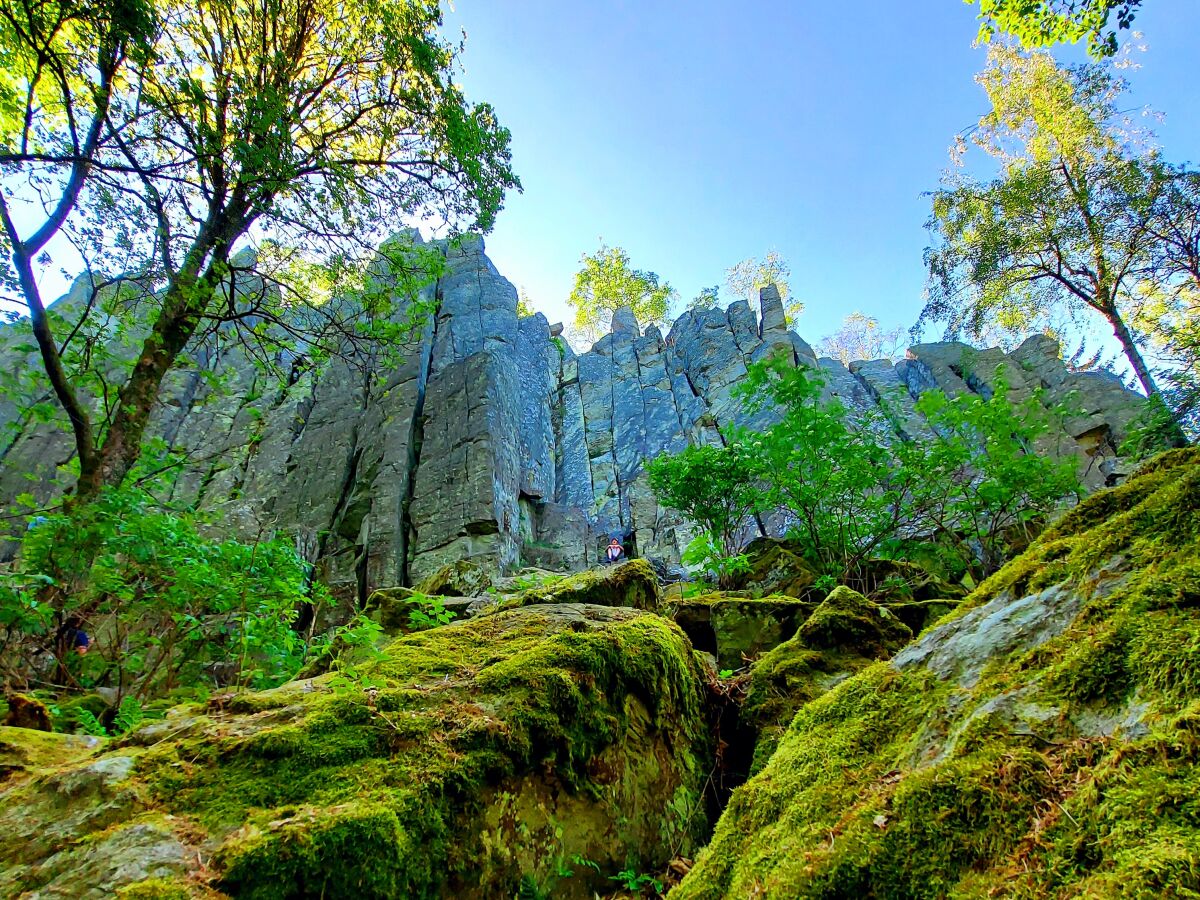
pixel 631 584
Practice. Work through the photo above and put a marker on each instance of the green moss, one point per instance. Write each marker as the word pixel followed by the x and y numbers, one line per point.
pixel 26 749
pixel 849 621
pixel 630 584
pixel 158 889
pixel 897 784
pixel 397 762
pixel 356 850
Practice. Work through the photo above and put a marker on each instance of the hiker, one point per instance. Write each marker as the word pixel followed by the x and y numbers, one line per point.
pixel 72 637
pixel 615 552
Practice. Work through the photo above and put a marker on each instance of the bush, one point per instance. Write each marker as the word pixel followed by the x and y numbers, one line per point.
pixel 856 490
pixel 162 605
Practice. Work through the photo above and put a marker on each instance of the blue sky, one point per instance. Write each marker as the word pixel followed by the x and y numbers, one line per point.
pixel 697 134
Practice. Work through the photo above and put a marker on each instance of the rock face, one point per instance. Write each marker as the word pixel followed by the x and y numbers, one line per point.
pixel 1042 743
pixel 493 440
pixel 470 761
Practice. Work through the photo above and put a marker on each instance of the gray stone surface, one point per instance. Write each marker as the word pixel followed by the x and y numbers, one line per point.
pixel 494 440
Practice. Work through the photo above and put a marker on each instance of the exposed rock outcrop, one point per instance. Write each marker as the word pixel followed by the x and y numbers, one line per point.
pixel 493 440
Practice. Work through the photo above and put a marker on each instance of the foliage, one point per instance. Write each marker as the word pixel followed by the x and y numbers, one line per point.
pixel 633 880
pixel 428 612
pixel 302 128
pixel 837 482
pixel 706 555
pixel 1065 226
pixel 989 476
pixel 608 282
pixel 714 486
pixel 854 490
pixel 746 278
pixel 708 298
pixel 1041 23
pixel 862 338
pixel 162 604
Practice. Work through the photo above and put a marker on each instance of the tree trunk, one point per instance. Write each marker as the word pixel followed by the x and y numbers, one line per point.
pixel 185 299
pixel 1133 354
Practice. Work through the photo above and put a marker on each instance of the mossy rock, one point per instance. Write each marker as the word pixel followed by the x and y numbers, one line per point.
pixel 25 749
pixel 776 567
pixel 735 627
pixel 462 578
pixel 392 608
pixel 631 584
pixel 892 581
pixel 461 762
pixel 1044 742
pixel 847 621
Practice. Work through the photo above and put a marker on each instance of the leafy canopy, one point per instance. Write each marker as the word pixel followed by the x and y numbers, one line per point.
pixel 746 278
pixel 716 487
pixel 861 337
pixel 305 128
pixel 608 282
pixel 1041 23
pixel 1064 228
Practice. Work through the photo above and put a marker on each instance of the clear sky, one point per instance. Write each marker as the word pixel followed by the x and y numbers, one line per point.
pixel 695 134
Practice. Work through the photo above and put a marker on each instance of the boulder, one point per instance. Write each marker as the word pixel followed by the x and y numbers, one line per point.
pixel 736 628
pixel 631 584
pixel 1040 744
pixel 461 578
pixel 776 567
pixel 474 760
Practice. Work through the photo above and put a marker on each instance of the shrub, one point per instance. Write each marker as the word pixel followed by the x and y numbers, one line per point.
pixel 162 604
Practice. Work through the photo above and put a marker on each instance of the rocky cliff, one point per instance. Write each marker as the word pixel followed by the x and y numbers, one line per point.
pixel 495 440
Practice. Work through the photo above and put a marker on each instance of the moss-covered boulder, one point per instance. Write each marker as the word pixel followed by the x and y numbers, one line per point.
pixel 461 578
pixel 472 760
pixel 776 566
pixel 631 584
pixel 846 620
pixel 1044 743
pixel 735 627
pixel 844 635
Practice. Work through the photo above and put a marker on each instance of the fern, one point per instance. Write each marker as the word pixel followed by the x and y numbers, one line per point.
pixel 88 722
pixel 129 716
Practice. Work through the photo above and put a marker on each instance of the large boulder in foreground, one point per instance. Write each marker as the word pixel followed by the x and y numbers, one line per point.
pixel 1043 743
pixel 473 760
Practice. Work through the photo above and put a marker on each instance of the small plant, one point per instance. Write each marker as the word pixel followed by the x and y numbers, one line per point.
pixel 633 880
pixel 725 673
pixel 825 584
pixel 427 612
pixel 89 724
pixel 129 716
pixel 705 553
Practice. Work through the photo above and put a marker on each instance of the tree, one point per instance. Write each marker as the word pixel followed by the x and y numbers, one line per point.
pixel 745 279
pixel 714 486
pixel 608 282
pixel 855 491
pixel 1067 224
pixel 708 298
pixel 1041 23
pixel 861 337
pixel 837 484
pixel 306 127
